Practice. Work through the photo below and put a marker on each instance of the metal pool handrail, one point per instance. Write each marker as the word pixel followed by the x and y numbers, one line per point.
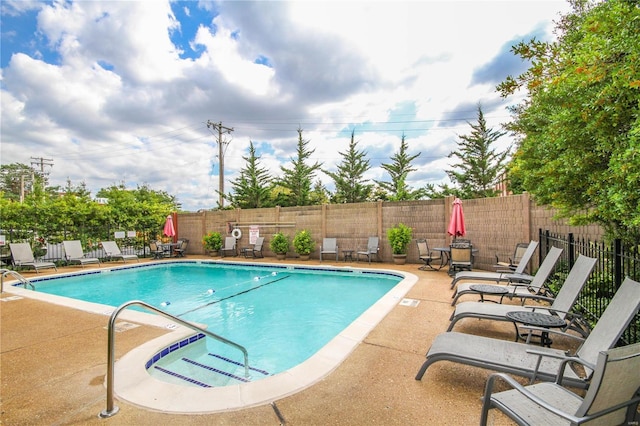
pixel 111 408
pixel 25 282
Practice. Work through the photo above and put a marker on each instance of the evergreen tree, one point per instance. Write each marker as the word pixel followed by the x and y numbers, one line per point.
pixel 251 190
pixel 351 187
pixel 480 166
pixel 399 169
pixel 299 177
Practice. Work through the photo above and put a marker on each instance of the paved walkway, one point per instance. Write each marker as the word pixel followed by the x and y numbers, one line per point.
pixel 53 363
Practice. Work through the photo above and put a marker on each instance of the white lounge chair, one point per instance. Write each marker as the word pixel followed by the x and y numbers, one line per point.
pixel 329 246
pixel 561 306
pixel 611 395
pixel 112 251
pixel 73 254
pixel 534 290
pixel 22 257
pixel 535 362
pixel 498 276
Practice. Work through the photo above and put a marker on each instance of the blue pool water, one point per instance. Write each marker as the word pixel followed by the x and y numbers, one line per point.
pixel 281 315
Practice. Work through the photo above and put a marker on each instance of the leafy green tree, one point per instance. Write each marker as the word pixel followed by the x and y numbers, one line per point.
pixel 298 178
pixel 251 190
pixel 351 186
pixel 399 169
pixel 18 179
pixel 480 167
pixel 579 127
pixel 319 194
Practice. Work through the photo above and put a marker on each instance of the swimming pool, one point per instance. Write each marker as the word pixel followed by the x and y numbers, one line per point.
pixel 311 365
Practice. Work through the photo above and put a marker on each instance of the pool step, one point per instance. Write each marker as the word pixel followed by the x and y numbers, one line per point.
pixel 195 367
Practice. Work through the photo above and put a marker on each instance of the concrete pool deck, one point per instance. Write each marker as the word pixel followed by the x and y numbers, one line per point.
pixel 53 365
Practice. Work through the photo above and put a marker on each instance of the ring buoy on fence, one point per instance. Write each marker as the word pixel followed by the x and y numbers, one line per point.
pixel 236 233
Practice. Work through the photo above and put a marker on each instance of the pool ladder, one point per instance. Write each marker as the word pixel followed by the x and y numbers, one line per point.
pixel 113 409
pixel 25 282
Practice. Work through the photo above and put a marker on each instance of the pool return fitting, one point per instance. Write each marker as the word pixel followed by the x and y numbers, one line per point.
pixel 113 409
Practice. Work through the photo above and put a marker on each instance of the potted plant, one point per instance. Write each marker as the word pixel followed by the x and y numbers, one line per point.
pixel 279 244
pixel 399 238
pixel 212 242
pixel 303 244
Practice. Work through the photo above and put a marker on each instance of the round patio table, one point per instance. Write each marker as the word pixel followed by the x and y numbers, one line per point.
pixel 489 289
pixel 535 319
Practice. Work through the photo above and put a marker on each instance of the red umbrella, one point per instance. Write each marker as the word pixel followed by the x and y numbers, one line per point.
pixel 169 230
pixel 456 224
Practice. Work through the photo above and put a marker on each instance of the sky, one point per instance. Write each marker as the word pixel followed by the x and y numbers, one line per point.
pixel 120 92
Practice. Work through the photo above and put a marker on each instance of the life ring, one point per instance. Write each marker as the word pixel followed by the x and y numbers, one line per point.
pixel 236 233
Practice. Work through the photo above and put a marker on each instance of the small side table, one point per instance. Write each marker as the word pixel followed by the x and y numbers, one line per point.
pixel 535 319
pixel 348 255
pixel 488 289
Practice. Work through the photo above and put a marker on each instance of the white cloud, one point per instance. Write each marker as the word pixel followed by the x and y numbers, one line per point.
pixel 111 99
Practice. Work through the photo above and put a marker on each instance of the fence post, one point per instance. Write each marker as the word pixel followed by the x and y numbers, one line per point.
pixel 572 250
pixel 617 262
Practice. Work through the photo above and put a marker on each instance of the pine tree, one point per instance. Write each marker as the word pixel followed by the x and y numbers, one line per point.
pixel 251 190
pixel 399 169
pixel 351 187
pixel 297 179
pixel 481 166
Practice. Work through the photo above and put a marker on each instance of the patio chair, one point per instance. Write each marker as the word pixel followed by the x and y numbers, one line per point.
pixel 611 398
pixel 73 254
pixel 561 306
pixel 113 252
pixel 514 261
pixel 156 250
pixel 460 257
pixel 535 362
pixel 428 256
pixel 371 250
pixel 256 250
pixel 22 257
pixel 516 275
pixel 229 245
pixel 181 250
pixel 329 246
pixel 533 290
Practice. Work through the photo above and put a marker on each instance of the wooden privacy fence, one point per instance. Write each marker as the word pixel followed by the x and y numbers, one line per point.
pixel 494 225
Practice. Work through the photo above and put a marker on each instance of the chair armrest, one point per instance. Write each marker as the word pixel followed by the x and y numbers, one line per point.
pixel 522 390
pixel 552 331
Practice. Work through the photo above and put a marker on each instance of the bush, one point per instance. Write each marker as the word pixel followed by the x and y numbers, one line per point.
pixel 279 244
pixel 303 243
pixel 212 241
pixel 399 238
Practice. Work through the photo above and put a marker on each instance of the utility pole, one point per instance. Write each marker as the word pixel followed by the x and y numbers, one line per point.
pixel 41 162
pixel 221 129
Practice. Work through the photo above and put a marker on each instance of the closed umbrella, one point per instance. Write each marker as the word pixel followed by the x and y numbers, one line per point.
pixel 169 230
pixel 456 224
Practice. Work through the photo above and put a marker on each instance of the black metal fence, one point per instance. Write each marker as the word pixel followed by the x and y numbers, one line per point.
pixel 616 261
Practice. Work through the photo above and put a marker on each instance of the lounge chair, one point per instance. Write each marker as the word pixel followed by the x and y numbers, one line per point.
pixel 498 276
pixel 535 362
pixel 372 249
pixel 22 257
pixel 256 250
pixel 611 397
pixel 534 290
pixel 460 257
pixel 428 256
pixel 73 254
pixel 181 250
pixel 561 306
pixel 113 252
pixel 156 250
pixel 329 246
pixel 229 246
pixel 518 253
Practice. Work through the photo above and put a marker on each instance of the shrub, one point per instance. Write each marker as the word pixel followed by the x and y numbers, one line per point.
pixel 303 243
pixel 399 238
pixel 212 241
pixel 279 244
